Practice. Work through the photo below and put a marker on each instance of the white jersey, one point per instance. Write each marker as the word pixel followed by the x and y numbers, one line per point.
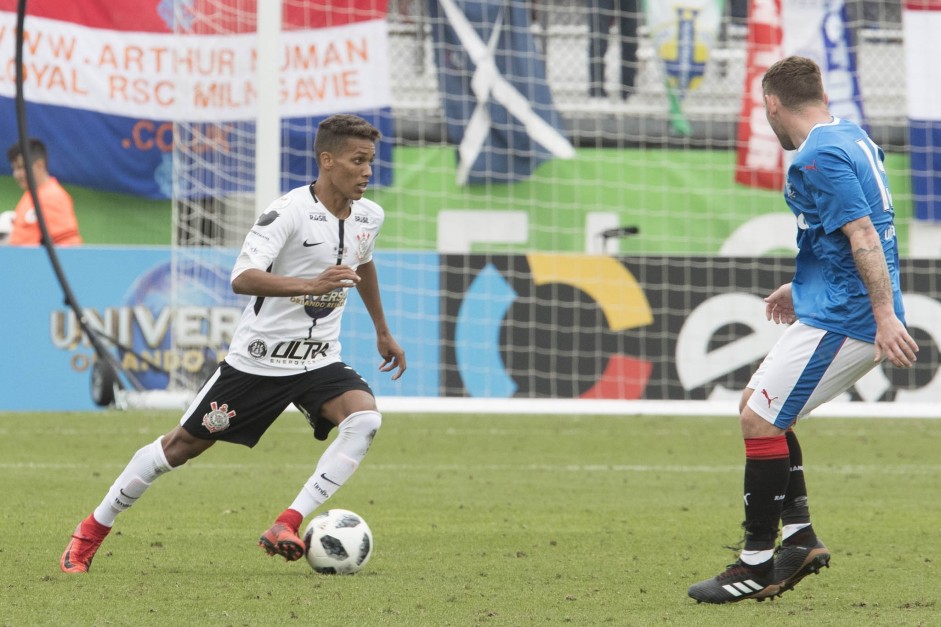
pixel 297 236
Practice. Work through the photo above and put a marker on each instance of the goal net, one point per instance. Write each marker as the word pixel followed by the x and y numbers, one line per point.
pixel 581 202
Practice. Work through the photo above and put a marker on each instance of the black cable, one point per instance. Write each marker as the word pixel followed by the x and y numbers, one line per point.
pixel 105 357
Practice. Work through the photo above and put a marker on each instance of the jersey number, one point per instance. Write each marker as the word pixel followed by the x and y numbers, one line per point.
pixel 871 151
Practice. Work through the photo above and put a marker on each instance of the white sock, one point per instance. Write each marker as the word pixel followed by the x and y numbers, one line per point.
pixel 147 464
pixel 339 461
pixel 753 558
pixel 789 530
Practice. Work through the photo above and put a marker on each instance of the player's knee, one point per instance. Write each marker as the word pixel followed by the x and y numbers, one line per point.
pixel 179 446
pixel 362 422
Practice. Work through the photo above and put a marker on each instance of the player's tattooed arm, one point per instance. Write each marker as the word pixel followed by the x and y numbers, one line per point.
pixel 892 339
pixel 871 264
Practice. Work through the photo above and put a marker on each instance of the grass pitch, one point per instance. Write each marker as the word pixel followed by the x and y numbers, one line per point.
pixel 478 519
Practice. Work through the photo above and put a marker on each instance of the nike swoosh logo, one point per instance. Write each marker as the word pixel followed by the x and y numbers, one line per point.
pixel 306 245
pixel 68 557
pixel 127 496
pixel 326 478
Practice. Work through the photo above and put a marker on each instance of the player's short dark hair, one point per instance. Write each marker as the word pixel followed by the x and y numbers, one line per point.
pixel 796 81
pixel 37 150
pixel 333 132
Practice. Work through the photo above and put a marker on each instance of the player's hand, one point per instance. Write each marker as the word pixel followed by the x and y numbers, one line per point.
pixel 779 306
pixel 895 344
pixel 393 357
pixel 332 278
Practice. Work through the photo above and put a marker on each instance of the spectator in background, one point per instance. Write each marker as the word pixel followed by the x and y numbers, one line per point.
pixel 602 15
pixel 56 204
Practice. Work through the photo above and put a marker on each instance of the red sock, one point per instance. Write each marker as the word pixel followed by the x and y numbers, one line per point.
pixel 292 518
pixel 93 529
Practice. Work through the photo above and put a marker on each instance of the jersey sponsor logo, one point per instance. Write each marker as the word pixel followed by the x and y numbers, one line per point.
pixel 219 418
pixel 318 307
pixel 258 349
pixel 267 218
pixel 308 245
pixel 290 351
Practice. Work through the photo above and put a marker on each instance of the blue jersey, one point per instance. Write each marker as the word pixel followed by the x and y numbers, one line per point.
pixel 838 176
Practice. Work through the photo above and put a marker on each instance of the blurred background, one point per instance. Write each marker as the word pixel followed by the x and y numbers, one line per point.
pixel 583 199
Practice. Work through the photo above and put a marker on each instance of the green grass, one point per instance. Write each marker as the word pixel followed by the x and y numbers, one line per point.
pixel 478 519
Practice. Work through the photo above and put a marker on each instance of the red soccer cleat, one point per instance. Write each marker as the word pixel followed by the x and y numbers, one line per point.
pixel 281 540
pixel 84 544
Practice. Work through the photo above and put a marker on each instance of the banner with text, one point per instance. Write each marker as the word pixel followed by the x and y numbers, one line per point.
pixel 482 326
pixel 106 79
pixel 49 359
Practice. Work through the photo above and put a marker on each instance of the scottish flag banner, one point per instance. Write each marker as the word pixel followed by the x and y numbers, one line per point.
pixel 496 97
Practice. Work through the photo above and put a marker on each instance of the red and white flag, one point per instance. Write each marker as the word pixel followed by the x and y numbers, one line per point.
pixel 760 161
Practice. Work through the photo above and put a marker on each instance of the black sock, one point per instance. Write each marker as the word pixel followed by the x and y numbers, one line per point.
pixel 795 510
pixel 767 464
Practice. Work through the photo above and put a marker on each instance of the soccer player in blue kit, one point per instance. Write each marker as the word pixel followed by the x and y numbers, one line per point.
pixel 297 262
pixel 844 307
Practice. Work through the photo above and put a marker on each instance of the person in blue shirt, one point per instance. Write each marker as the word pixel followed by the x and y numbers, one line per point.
pixel 844 308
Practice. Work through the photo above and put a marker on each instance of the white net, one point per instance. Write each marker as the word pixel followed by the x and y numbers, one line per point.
pixel 631 268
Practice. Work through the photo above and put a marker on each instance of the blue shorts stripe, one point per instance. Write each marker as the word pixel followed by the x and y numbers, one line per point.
pixel 821 359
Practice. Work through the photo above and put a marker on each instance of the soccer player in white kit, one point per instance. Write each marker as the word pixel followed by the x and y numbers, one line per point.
pixel 844 306
pixel 297 263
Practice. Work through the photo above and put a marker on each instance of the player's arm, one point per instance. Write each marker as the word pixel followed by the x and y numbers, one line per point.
pixel 255 282
pixel 892 339
pixel 392 354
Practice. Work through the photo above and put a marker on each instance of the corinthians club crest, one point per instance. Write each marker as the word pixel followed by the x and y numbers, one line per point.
pixel 362 245
pixel 218 419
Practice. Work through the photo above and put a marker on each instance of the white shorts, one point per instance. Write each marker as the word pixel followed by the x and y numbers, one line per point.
pixel 806 368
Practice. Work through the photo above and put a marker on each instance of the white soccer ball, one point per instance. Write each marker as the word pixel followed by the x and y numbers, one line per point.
pixel 338 542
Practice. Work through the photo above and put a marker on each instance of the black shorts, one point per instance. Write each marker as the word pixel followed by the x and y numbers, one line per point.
pixel 234 406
